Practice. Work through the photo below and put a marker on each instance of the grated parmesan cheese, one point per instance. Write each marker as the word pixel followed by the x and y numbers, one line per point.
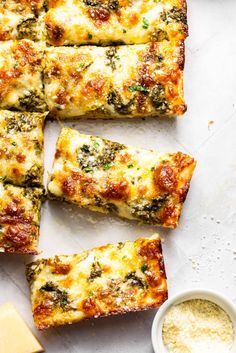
pixel 197 326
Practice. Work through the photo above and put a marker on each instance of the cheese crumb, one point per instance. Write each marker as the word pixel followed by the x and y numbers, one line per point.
pixel 197 326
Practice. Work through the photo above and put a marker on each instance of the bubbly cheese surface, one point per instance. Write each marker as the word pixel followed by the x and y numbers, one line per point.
pixel 21 148
pixel 21 19
pixel 104 22
pixel 19 218
pixel 197 326
pixel 124 81
pixel 111 279
pixel 107 176
pixel 21 86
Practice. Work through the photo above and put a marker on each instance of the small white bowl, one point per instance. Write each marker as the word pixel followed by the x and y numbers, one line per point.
pixel 212 296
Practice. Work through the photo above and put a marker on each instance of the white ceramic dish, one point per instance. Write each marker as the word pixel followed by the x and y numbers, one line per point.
pixel 212 296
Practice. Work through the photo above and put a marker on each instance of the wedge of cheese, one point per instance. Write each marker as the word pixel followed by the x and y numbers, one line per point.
pixel 125 81
pixel 21 86
pixel 109 280
pixel 19 219
pixel 105 22
pixel 21 19
pixel 107 176
pixel 21 148
pixel 15 336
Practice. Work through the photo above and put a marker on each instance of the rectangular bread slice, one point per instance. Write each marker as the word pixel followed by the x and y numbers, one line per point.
pixel 21 19
pixel 109 280
pixel 21 86
pixel 21 148
pixel 19 219
pixel 105 22
pixel 126 81
pixel 107 176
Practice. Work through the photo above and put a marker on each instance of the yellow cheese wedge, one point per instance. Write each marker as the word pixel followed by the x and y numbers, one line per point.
pixel 15 336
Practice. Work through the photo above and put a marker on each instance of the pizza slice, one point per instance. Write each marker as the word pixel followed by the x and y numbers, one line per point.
pixel 21 19
pixel 107 176
pixel 21 86
pixel 115 82
pixel 19 218
pixel 106 22
pixel 21 148
pixel 109 280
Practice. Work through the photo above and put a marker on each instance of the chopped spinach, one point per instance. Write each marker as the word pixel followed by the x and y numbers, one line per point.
pixel 60 297
pixel 158 99
pixel 91 2
pixel 20 123
pixel 27 29
pixel 33 175
pixel 174 14
pixel 135 281
pixel 159 35
pixel 148 211
pixel 32 270
pixel 113 5
pixel 115 99
pixel 96 271
pixel 111 57
pixel 102 157
pixel 144 268
pixel 31 102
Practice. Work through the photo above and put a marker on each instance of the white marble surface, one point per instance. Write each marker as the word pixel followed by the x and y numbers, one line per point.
pixel 202 251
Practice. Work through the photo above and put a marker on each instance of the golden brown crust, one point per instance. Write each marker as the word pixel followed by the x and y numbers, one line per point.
pixel 109 280
pixel 106 176
pixel 21 86
pixel 84 81
pixel 19 219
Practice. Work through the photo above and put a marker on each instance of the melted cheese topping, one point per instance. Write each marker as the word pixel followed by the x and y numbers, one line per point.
pixel 19 218
pixel 126 81
pixel 115 21
pixel 21 148
pixel 106 176
pixel 21 19
pixel 21 84
pixel 197 326
pixel 103 281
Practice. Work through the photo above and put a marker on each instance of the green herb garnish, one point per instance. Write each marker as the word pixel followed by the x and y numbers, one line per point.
pixel 88 169
pixel 145 23
pixel 137 88
pixel 144 268
pixel 96 145
pixel 107 166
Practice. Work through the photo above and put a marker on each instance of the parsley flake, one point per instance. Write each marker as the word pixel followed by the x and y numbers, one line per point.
pixel 144 268
pixel 107 166
pixel 88 169
pixel 137 88
pixel 145 23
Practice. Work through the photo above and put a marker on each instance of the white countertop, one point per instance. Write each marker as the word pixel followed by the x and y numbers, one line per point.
pixel 201 252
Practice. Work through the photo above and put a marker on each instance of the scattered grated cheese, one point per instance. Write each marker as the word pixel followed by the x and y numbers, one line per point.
pixel 196 326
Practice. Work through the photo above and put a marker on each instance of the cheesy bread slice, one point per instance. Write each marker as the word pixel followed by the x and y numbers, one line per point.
pixel 21 86
pixel 21 19
pixel 19 218
pixel 21 148
pixel 126 81
pixel 105 22
pixel 107 176
pixel 109 280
